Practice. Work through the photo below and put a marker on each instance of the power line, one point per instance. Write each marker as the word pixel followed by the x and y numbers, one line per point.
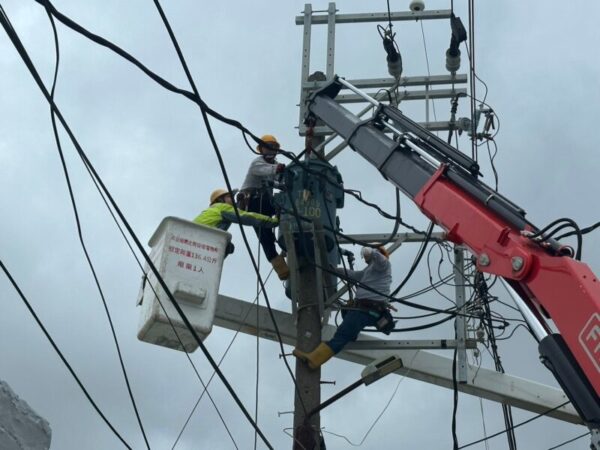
pixel 219 364
pixel 515 426
pixel 454 399
pixel 229 187
pixel 191 96
pixel 472 77
pixel 82 241
pixel 417 259
pixel 258 290
pixel 482 291
pixel 570 440
pixel 394 392
pixel 428 71
pixel 3 19
pixel 24 55
pixel 126 241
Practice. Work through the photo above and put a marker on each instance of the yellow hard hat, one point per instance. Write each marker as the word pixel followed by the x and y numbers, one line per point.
pixel 218 193
pixel 268 138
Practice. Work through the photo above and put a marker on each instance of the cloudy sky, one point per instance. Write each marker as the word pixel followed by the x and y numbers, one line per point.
pixel 539 60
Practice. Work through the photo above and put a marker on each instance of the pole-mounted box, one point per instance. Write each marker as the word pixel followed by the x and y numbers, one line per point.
pixel 313 190
pixel 189 257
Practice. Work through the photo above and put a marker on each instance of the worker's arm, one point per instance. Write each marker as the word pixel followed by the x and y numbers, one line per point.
pixel 347 273
pixel 248 218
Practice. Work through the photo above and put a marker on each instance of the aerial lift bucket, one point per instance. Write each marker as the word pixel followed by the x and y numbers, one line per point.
pixel 189 258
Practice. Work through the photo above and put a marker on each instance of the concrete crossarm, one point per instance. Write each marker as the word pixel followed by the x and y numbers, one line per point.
pixel 425 366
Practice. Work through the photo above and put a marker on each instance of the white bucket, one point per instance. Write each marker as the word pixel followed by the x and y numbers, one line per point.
pixel 189 258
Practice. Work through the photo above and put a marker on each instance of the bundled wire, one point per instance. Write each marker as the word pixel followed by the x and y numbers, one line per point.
pixel 416 260
pixel 24 55
pixel 82 241
pixel 50 339
pixel 482 292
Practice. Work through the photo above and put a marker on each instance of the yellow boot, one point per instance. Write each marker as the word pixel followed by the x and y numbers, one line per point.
pixel 281 267
pixel 317 357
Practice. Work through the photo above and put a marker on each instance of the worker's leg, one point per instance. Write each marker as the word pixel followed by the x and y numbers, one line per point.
pixel 262 204
pixel 350 328
pixel 348 331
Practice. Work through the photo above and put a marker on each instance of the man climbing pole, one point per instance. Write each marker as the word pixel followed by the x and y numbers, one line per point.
pixel 370 307
pixel 257 194
pixel 221 214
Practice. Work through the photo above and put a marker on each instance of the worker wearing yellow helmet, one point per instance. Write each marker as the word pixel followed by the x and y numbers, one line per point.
pixel 257 192
pixel 221 214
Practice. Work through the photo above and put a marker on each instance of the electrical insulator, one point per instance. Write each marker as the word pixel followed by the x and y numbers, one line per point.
pixel 394 59
pixel 480 334
pixel 395 67
pixel 417 5
pixel 459 34
pixel 464 124
pixel 452 60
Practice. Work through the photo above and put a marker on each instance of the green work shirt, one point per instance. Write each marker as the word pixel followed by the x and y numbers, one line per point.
pixel 222 215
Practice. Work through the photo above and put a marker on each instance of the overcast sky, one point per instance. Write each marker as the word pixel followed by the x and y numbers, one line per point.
pixel 539 60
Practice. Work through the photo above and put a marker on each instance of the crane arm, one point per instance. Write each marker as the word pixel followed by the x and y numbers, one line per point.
pixel 553 287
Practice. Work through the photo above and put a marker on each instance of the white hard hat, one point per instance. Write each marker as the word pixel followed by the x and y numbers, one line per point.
pixel 366 252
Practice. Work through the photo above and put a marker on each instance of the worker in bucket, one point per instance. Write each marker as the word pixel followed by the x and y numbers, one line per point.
pixel 257 196
pixel 369 308
pixel 221 214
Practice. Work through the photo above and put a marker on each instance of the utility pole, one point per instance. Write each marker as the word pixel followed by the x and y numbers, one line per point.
pixel 307 432
pixel 308 394
pixel 309 285
pixel 312 191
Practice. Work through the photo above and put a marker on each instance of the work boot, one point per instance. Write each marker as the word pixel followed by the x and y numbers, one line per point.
pixel 281 267
pixel 317 357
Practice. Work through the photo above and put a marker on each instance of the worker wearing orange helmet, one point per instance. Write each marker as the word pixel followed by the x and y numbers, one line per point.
pixel 221 214
pixel 257 193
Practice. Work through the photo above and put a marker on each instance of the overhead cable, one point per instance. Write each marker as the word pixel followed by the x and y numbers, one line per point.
pixel 376 421
pixel 205 390
pixel 82 241
pixel 531 419
pixel 26 59
pixel 562 444
pixel 189 95
pixel 50 339
pixel 128 244
pixel 209 130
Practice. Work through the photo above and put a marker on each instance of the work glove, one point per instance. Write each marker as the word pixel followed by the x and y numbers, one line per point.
pixel 241 199
pixel 280 168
